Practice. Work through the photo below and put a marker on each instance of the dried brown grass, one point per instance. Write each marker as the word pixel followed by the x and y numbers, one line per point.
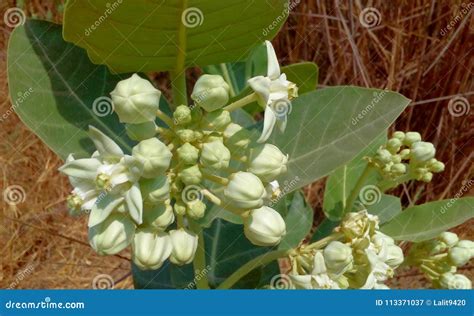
pixel 44 248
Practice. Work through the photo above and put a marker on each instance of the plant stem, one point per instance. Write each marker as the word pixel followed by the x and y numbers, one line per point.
pixel 252 264
pixel 225 73
pixel 178 85
pixel 199 262
pixel 355 192
pixel 216 179
pixel 242 102
pixel 165 118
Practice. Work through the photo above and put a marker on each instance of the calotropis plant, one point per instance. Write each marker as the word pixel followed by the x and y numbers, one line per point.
pixel 204 195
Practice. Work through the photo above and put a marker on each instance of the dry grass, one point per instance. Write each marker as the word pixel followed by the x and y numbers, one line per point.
pixel 405 52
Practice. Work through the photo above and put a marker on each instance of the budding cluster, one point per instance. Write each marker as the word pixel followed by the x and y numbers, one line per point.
pixel 439 259
pixel 355 255
pixel 405 157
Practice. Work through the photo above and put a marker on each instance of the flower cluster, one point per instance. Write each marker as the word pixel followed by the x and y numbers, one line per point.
pixel 439 259
pixel 152 197
pixel 405 157
pixel 356 255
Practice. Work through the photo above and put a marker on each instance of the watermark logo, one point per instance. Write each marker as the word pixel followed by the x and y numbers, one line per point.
pixel 378 96
pixel 14 17
pixel 192 193
pixel 370 195
pixel 23 274
pixel 102 106
pixel 103 282
pixel 110 8
pixel 282 108
pixel 465 188
pixel 280 18
pixel 459 106
pixel 14 194
pixel 192 17
pixel 370 17
pixel 198 276
pixel 281 282
pixel 464 10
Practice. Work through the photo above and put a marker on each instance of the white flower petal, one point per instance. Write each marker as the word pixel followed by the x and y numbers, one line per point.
pixel 104 144
pixel 273 68
pixel 101 210
pixel 269 121
pixel 261 86
pixel 134 202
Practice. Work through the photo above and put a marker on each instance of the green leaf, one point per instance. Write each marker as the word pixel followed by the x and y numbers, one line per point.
pixel 145 35
pixel 64 85
pixel 426 221
pixel 386 208
pixel 324 229
pixel 327 128
pixel 304 74
pixel 342 181
pixel 298 219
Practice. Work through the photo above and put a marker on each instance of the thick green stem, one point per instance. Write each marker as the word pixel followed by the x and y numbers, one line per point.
pixel 251 265
pixel 199 263
pixel 242 102
pixel 178 85
pixel 165 118
pixel 355 192
pixel 225 73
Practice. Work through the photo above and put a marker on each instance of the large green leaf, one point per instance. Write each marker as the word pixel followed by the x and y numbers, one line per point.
pixel 426 221
pixel 327 128
pixel 145 35
pixel 342 181
pixel 68 91
pixel 386 207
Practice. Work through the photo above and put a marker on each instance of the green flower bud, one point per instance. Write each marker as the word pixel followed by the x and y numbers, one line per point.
pixel 184 246
pixel 404 153
pixel 191 175
pixel 186 135
pixel 426 177
pixel 135 100
pixel 236 137
pixel 338 257
pixel 198 136
pixel 216 121
pixel 383 155
pixel 454 282
pixel 436 166
pixel 466 244
pixel 264 227
pixel 245 190
pixel 396 159
pixel 398 168
pixel 156 190
pixel 150 249
pixel 179 208
pixel 215 155
pixel 74 204
pixel 394 256
pixel 211 92
pixel 359 225
pixel 158 216
pixel 459 256
pixel 141 131
pixel 450 239
pixel 188 154
pixel 154 155
pixel 394 144
pixel 196 209
pixel 411 138
pixel 267 162
pixel 422 151
pixel 112 235
pixel 400 135
pixel 182 115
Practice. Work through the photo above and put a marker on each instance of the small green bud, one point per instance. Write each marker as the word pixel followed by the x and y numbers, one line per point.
pixel 215 155
pixel 74 204
pixel 150 248
pixel 196 209
pixel 411 138
pixel 113 235
pixel 398 168
pixel 436 167
pixel 245 190
pixel 198 136
pixel 264 227
pixel 400 135
pixel 405 153
pixel 188 154
pixel 427 177
pixel 186 135
pixel 211 92
pixel 156 190
pixel 267 162
pixel 467 244
pixel 182 115
pixel 236 137
pixel 216 121
pixel 396 159
pixel 179 208
pixel 338 257
pixel 141 131
pixel 459 256
pixel 454 282
pixel 135 100
pixel 450 239
pixel 154 155
pixel 383 155
pixel 191 175
pixel 158 216
pixel 422 151
pixel 394 144
pixel 184 246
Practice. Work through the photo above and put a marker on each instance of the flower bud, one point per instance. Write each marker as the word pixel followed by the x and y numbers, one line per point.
pixel 184 246
pixel 267 162
pixel 186 135
pixel 466 244
pixel 245 190
pixel 211 92
pixel 400 135
pixel 141 131
pixel 182 115
pixel 188 154
pixel 454 282
pixel 398 168
pixel 338 257
pixel 383 155
pixel 158 216
pixel 394 144
pixel 179 208
pixel 154 155
pixel 135 100
pixel 436 166
pixel 422 151
pixel 112 235
pixel 359 224
pixel 427 177
pixel 156 190
pixel 215 155
pixel 236 137
pixel 450 239
pixel 404 154
pixel 196 209
pixel 459 256
pixel 216 121
pixel 394 256
pixel 264 227
pixel 150 249
pixel 191 175
pixel 411 138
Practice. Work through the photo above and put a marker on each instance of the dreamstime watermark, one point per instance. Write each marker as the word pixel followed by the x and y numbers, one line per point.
pixel 192 17
pixel 465 188
pixel 102 106
pixel 198 276
pixel 370 17
pixel 282 108
pixel 281 191
pixel 281 282
pixel 459 106
pixel 464 10
pixel 47 303
pixel 103 282
pixel 110 8
pixel 21 97
pixel 378 96
pixel 23 274
pixel 192 193
pixel 14 17
pixel 370 195
pixel 280 18
pixel 14 195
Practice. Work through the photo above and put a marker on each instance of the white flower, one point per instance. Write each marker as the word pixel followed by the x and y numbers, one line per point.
pixel 150 249
pixel 274 93
pixel 184 246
